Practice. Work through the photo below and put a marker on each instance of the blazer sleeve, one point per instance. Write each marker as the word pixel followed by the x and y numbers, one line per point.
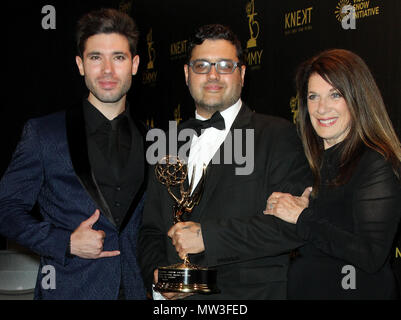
pixel 152 234
pixel 287 169
pixel 259 235
pixel 375 212
pixel 19 189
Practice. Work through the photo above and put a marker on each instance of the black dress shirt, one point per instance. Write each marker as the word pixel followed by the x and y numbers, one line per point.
pixel 346 227
pixel 116 157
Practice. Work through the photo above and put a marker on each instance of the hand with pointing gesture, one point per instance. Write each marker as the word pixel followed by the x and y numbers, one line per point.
pixel 286 206
pixel 88 243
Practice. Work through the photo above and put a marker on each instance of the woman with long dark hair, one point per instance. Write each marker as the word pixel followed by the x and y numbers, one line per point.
pixel 350 216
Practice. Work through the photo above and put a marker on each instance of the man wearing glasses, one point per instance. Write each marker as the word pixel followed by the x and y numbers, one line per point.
pixel 227 230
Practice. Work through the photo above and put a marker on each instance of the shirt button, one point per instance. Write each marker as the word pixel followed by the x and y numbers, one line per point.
pixel 117 204
pixel 118 188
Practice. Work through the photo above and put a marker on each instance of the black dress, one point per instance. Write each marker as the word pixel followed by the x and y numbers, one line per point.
pixel 349 232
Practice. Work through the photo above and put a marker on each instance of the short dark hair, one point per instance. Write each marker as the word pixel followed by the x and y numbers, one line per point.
pixel 214 32
pixel 106 21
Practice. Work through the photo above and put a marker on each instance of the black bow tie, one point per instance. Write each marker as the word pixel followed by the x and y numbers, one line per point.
pixel 216 121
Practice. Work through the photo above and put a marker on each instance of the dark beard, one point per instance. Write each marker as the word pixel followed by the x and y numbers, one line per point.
pixel 221 106
pixel 210 108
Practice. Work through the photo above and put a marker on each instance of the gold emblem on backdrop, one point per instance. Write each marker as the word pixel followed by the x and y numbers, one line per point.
pixel 149 76
pixel 298 21
pixel 178 49
pixel 252 23
pixel 151 50
pixel 125 6
pixel 294 108
pixel 363 9
pixel 253 55
pixel 339 14
pixel 150 123
pixel 177 114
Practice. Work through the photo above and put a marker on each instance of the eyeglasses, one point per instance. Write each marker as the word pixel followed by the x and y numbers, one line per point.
pixel 222 66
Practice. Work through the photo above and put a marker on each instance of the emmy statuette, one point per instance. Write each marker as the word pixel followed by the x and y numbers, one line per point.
pixel 183 277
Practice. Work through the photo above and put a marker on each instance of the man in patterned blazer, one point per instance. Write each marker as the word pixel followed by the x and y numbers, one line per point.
pixel 85 168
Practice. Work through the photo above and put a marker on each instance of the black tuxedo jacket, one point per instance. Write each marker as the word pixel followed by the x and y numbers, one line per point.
pixel 249 249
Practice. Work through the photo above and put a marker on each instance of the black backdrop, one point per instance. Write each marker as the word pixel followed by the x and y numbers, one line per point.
pixel 41 75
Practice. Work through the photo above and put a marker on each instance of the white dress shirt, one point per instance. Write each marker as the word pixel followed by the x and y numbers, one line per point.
pixel 204 147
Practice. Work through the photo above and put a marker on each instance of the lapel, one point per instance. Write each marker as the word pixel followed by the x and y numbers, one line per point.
pixel 214 171
pixel 135 124
pixel 78 148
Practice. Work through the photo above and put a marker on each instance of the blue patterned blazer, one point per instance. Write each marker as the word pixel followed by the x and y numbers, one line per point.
pixel 51 167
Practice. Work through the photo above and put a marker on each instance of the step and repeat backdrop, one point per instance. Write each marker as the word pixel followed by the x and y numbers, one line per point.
pixel 276 35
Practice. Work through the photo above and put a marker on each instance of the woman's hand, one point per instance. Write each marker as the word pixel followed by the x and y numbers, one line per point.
pixel 286 206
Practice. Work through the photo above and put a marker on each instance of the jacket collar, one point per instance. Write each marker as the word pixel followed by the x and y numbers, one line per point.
pixel 78 148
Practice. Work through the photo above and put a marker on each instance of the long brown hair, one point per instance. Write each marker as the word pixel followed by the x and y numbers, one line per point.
pixel 370 123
